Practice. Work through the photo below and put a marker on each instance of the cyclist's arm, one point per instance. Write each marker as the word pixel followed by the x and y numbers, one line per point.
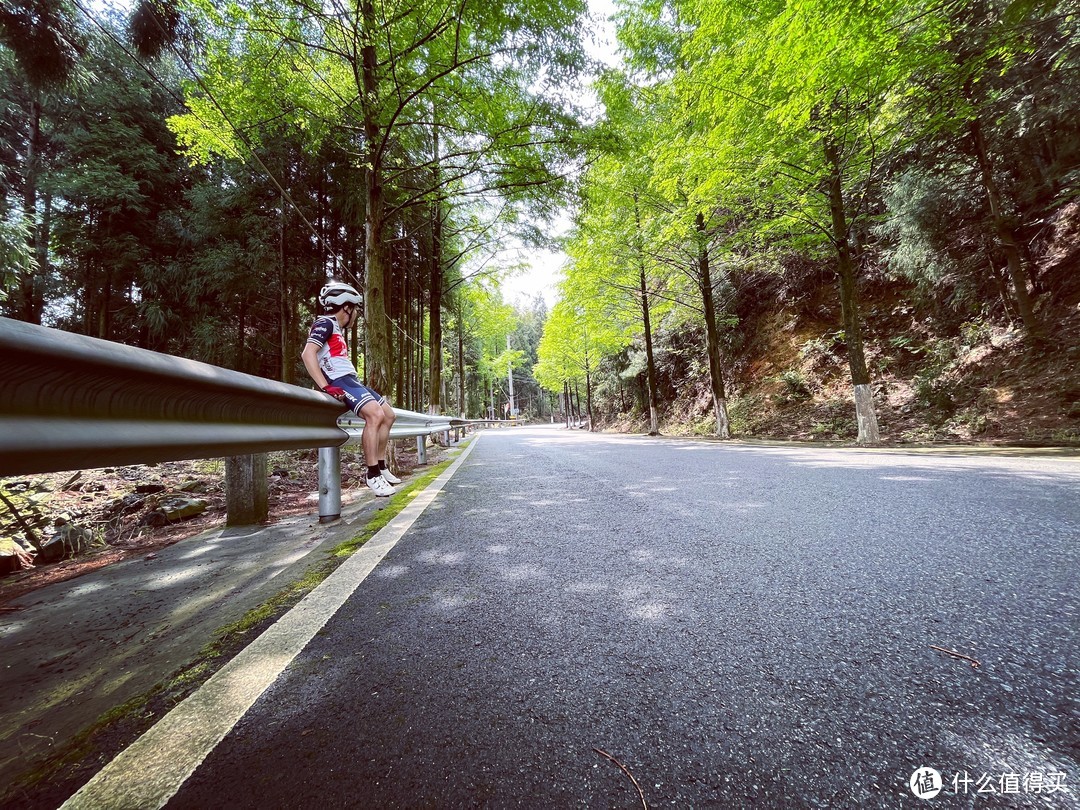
pixel 310 356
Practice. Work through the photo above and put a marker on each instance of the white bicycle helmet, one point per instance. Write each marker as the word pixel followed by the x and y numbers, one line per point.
pixel 337 294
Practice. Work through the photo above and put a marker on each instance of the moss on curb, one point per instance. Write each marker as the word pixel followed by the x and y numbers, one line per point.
pixel 75 761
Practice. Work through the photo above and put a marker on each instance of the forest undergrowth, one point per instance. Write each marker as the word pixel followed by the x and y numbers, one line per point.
pixel 935 379
pixel 116 508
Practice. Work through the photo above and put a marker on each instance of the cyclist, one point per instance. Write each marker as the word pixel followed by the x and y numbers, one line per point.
pixel 326 358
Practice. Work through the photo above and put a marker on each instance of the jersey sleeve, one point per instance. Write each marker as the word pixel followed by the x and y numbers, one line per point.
pixel 320 332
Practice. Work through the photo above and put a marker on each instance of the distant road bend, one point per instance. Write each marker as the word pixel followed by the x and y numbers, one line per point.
pixel 735 625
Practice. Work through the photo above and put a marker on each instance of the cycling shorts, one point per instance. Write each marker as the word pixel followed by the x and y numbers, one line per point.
pixel 357 395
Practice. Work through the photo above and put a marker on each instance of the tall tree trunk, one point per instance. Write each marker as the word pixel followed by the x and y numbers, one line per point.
pixel 461 363
pixel 282 316
pixel 400 317
pixel 88 294
pixel 377 358
pixel 239 352
pixel 1005 233
pixel 32 281
pixel 106 301
pixel 650 364
pixel 436 289
pixel 286 304
pixel 417 330
pixel 588 391
pixel 712 335
pixel 849 303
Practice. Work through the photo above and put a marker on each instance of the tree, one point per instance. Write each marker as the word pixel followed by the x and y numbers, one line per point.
pixel 611 256
pixel 118 178
pixel 377 72
pixel 483 324
pixel 44 44
pixel 996 100
pixel 576 336
pixel 791 105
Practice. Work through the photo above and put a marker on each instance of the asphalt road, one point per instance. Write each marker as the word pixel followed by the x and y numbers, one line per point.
pixel 737 625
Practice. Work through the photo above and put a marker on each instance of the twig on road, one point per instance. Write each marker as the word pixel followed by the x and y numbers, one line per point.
pixel 974 663
pixel 606 755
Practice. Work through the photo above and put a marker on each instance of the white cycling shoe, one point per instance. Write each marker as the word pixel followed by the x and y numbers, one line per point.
pixel 380 486
pixel 389 477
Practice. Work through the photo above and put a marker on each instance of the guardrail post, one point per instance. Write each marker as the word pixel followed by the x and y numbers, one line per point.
pixel 421 449
pixel 329 484
pixel 246 490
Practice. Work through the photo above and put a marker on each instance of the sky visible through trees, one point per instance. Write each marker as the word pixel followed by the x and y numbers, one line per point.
pixel 546 266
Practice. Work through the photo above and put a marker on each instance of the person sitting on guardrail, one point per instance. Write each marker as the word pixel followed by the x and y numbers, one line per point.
pixel 326 358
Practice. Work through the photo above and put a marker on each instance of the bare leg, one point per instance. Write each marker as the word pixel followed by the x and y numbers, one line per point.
pixel 370 439
pixel 384 429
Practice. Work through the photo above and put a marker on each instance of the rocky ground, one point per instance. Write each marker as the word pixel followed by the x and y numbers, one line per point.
pixel 102 516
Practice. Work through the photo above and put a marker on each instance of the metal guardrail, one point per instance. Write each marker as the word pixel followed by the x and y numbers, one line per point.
pixel 71 402
pixel 406 425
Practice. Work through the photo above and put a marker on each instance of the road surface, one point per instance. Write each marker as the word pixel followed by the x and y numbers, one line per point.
pixel 735 625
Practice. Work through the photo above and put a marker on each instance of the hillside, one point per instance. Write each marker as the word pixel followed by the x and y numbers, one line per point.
pixel 935 378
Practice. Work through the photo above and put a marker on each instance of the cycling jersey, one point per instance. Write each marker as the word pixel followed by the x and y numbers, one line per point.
pixel 333 355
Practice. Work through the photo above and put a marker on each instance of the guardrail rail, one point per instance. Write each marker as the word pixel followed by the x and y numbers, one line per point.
pixel 71 402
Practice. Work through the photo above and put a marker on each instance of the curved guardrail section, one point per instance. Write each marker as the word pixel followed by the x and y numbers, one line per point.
pixel 71 402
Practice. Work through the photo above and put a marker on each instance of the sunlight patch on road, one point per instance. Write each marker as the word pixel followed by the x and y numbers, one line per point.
pixel 521 573
pixel 392 571
pixel 651 612
pixel 172 579
pixel 80 591
pixel 916 478
pixel 442 557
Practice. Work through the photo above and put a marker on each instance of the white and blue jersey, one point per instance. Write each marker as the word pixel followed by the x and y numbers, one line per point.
pixel 333 358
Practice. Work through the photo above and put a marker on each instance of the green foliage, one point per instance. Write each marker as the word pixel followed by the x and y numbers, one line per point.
pixel 836 427
pixel 742 411
pixel 14 253
pixel 722 139
pixel 975 332
pixel 931 389
pixel 775 137
pixel 922 210
pixel 817 349
pixel 796 388
pixel 43 37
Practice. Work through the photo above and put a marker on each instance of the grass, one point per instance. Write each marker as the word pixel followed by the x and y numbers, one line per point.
pixel 76 760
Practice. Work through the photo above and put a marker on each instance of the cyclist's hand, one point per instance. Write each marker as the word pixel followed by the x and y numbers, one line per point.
pixel 335 392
